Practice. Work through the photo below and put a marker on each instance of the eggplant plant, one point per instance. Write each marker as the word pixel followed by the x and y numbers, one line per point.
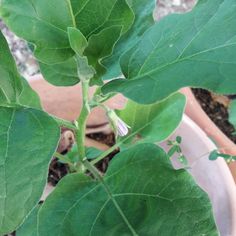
pixel 116 46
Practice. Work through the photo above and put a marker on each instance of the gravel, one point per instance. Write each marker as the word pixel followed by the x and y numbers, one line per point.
pixel 26 62
pixel 165 7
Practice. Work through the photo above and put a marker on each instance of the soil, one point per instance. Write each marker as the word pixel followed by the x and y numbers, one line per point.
pixel 58 170
pixel 216 108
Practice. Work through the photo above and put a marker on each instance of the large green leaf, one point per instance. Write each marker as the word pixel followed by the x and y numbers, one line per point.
pixel 29 228
pixel 143 10
pixel 28 140
pixel 144 195
pixel 156 122
pixel 13 88
pixel 46 23
pixel 43 23
pixel 195 49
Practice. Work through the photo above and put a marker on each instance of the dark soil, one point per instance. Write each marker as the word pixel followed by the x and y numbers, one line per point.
pixel 58 170
pixel 109 140
pixel 218 112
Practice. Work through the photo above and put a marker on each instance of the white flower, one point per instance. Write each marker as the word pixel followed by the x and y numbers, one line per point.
pixel 118 125
pixel 122 127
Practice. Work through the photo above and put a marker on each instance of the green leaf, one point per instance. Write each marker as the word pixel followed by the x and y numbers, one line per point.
pixel 92 152
pixel 178 139
pixel 232 113
pixel 94 16
pixel 13 88
pixel 213 155
pixel 100 46
pixel 29 228
pixel 46 23
pixel 28 96
pixel 29 138
pixel 152 198
pixel 66 72
pixel 143 10
pixel 43 24
pixel 77 40
pixel 172 151
pixel 61 74
pixel 194 49
pixel 156 122
pixel 73 155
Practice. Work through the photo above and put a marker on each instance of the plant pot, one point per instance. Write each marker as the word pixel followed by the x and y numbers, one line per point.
pixel 213 176
pixel 196 113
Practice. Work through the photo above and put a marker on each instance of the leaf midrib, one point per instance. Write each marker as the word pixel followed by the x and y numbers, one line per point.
pixel 161 68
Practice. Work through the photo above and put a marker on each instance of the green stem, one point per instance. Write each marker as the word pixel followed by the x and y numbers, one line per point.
pixel 98 176
pixel 113 148
pixel 80 134
pixel 64 123
pixel 105 153
pixel 63 159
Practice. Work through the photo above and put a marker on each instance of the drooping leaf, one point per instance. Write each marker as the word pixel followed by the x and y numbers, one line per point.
pixel 13 88
pixel 145 194
pixel 29 227
pixel 156 122
pixel 46 23
pixel 194 49
pixel 143 10
pixel 232 113
pixel 29 138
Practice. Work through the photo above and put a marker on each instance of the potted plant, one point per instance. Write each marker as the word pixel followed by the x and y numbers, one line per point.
pixel 87 43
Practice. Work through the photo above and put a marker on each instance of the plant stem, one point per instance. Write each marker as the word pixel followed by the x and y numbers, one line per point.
pixel 64 123
pixel 105 153
pixel 80 134
pixel 98 176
